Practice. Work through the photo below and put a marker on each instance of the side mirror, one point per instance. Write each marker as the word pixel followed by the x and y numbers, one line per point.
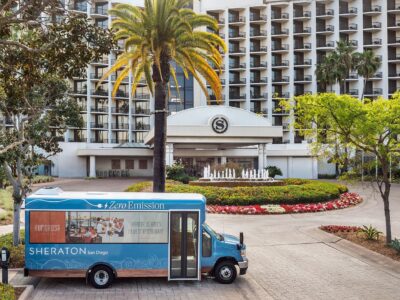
pixel 241 238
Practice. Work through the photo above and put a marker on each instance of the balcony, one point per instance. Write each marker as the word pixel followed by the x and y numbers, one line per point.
pixel 349 11
pixel 303 78
pixel 99 10
pixel 103 109
pixel 120 126
pixel 258 96
pixel 96 125
pixel 237 35
pixel 377 76
pixel 374 9
pixel 327 13
pixel 220 21
pixel 258 49
pixel 302 15
pixel 353 43
pixel 302 46
pixel 120 110
pixel 79 91
pixel 261 65
pixel 303 63
pixel 237 66
pixel 283 47
pixel 374 92
pixel 258 18
pixel 99 141
pixel 141 96
pixel 142 111
pixel 237 50
pixel 353 92
pixel 262 80
pixel 352 76
pixel 327 29
pixel 323 44
pixel 280 64
pixel 141 126
pixel 236 19
pixel 394 75
pixel 103 61
pixel 279 16
pixel 100 92
pixel 258 33
pixel 121 94
pixel 279 32
pixel 125 80
pixel 350 27
pixel 376 42
pixel 77 140
pixel 259 111
pixel 302 31
pixel 282 80
pixel 277 110
pixel 374 26
pixel 119 141
pixel 78 7
pixel 285 95
pixel 235 96
pixel 237 81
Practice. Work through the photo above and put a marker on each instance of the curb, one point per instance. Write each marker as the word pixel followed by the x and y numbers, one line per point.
pixel 26 293
pixel 365 255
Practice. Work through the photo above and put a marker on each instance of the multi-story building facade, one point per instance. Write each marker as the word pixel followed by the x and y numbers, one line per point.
pixel 273 49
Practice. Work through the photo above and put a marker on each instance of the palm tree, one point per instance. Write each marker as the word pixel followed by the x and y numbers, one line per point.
pixel 324 72
pixel 366 64
pixel 345 61
pixel 165 32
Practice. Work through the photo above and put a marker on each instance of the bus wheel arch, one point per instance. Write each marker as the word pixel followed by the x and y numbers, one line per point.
pixel 101 275
pixel 224 270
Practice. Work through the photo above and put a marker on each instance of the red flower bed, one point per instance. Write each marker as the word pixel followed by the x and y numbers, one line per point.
pixel 340 228
pixel 345 200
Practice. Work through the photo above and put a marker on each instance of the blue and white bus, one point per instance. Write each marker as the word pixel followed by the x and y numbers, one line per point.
pixel 103 236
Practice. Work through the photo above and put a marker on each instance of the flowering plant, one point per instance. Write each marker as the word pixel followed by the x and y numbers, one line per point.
pixel 345 200
pixel 340 228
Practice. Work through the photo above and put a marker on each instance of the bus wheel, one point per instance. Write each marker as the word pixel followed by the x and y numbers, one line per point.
pixel 225 272
pixel 101 277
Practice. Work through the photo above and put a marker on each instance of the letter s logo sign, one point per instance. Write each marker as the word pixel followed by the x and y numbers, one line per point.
pixel 219 125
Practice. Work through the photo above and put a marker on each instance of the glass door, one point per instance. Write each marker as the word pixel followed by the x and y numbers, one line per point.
pixel 184 244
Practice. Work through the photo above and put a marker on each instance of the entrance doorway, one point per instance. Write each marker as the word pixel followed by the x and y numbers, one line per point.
pixel 184 245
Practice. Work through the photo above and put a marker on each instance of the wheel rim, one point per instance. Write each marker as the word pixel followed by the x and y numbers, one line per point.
pixel 101 277
pixel 225 272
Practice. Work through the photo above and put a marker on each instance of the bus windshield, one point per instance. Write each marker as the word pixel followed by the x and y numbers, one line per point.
pixel 212 231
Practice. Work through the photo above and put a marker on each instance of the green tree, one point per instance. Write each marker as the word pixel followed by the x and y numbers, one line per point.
pixel 36 108
pixel 370 126
pixel 165 31
pixel 324 73
pixel 366 64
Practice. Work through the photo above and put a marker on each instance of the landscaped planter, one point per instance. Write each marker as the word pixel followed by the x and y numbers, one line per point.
pixel 345 200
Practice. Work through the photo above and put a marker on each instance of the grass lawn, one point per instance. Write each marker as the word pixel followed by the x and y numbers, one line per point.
pixel 6 207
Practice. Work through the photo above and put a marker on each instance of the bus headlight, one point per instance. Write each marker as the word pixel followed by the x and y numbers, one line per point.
pixel 243 252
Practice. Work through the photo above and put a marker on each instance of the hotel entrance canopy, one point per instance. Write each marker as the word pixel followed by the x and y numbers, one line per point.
pixel 217 127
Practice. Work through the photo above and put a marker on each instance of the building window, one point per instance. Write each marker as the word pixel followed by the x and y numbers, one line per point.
pixel 143 164
pixel 115 164
pixel 129 164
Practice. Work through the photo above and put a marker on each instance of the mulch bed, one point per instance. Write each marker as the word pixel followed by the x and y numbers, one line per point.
pixel 18 291
pixel 378 246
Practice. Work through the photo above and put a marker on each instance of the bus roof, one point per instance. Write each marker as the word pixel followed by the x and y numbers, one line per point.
pixel 57 193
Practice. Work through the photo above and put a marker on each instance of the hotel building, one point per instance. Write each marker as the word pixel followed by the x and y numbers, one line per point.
pixel 273 49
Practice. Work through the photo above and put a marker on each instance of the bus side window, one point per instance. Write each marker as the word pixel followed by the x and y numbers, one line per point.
pixel 207 244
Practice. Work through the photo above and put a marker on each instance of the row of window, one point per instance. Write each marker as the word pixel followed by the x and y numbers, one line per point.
pixel 129 164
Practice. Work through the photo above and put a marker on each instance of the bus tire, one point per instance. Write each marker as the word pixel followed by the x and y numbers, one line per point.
pixel 225 272
pixel 101 277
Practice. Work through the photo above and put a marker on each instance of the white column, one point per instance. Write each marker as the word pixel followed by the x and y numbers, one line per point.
pixel 92 166
pixel 169 159
pixel 223 160
pixel 262 156
pixel 314 167
pixel 289 167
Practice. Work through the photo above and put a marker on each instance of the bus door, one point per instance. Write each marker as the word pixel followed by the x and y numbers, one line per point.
pixel 184 245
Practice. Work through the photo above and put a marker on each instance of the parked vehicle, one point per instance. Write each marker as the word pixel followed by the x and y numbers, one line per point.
pixel 103 236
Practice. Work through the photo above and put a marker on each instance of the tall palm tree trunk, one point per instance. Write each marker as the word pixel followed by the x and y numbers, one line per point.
pixel 160 137
pixel 161 79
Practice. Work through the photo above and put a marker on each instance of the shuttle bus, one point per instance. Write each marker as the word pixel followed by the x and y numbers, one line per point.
pixel 104 236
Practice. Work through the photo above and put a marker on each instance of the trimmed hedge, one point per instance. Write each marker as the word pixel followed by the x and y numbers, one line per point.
pixel 7 292
pixel 296 191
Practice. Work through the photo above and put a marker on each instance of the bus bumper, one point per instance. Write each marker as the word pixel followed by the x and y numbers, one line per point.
pixel 243 265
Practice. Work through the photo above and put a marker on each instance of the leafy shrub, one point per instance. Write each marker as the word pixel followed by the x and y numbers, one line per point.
pixel 306 191
pixel 273 171
pixel 7 292
pixel 340 228
pixel 371 233
pixel 326 176
pixel 177 172
pixel 395 244
pixel 17 254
